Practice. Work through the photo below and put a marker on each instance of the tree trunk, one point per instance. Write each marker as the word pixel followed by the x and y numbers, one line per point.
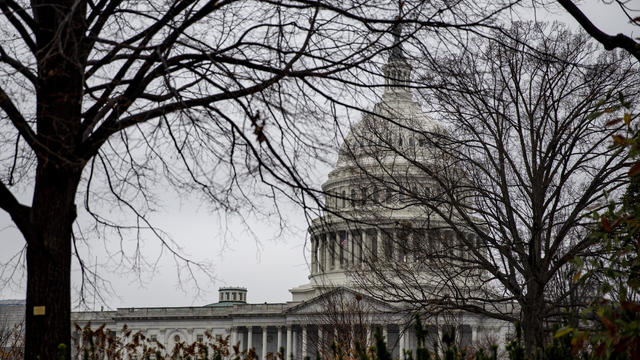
pixel 61 58
pixel 48 309
pixel 532 318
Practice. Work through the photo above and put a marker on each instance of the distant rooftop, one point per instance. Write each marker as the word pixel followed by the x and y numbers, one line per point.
pixel 13 302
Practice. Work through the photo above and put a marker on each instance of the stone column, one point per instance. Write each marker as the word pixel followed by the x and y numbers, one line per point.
pixel 294 345
pixel 249 337
pixel 501 330
pixel 279 344
pixel 368 340
pixel 234 338
pixel 313 254
pixel 234 335
pixel 474 334
pixel 320 344
pixel 264 343
pixel 341 249
pixel 402 341
pixel 362 247
pixel 288 351
pixel 319 253
pixel 380 244
pixel 304 341
pixel 385 334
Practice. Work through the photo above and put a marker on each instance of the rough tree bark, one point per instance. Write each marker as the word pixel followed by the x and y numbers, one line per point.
pixel 60 57
pixel 49 261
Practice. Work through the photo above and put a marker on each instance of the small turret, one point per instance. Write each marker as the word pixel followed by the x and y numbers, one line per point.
pixel 232 295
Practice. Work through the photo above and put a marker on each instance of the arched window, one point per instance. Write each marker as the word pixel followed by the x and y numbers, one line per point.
pixel 353 197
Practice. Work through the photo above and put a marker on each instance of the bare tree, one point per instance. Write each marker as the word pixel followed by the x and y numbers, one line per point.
pixel 99 99
pixel 498 197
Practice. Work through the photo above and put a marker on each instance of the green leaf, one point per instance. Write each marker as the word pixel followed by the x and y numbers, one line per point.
pixel 563 331
pixel 594 115
pixel 577 261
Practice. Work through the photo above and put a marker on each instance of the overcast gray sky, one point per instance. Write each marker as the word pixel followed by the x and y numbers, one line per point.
pixel 267 262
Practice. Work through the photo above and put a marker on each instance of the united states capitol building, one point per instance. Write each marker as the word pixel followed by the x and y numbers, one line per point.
pixel 362 230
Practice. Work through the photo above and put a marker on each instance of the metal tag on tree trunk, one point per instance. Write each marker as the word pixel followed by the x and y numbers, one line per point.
pixel 38 310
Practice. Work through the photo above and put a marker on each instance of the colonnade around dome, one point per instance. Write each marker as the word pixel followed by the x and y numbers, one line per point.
pixel 343 250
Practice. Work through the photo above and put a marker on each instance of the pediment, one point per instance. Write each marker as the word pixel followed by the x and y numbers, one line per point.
pixel 339 300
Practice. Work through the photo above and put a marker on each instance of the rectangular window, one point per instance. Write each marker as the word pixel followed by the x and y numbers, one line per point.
pixel 354 241
pixel 332 249
pixel 200 338
pixel 323 252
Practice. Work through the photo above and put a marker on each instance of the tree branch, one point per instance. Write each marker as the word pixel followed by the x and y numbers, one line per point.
pixel 18 121
pixel 6 7
pixel 19 213
pixel 610 42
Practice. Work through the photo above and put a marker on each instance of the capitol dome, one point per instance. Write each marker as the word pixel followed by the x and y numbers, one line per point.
pixel 375 214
